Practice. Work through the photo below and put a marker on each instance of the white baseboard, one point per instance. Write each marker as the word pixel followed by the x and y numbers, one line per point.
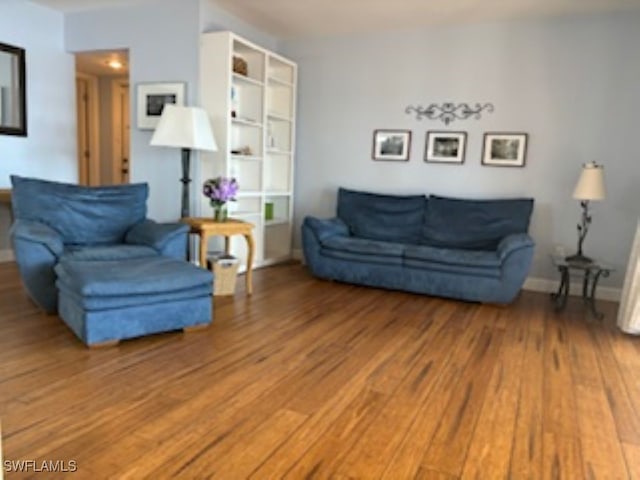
pixel 296 254
pixel 547 286
pixel 6 256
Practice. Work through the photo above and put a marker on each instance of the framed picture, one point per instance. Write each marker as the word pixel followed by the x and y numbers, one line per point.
pixel 445 147
pixel 152 97
pixel 504 149
pixel 393 145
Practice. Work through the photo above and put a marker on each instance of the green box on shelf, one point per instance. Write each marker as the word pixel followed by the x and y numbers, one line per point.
pixel 268 211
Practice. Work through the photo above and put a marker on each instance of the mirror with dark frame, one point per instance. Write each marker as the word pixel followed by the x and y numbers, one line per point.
pixel 13 101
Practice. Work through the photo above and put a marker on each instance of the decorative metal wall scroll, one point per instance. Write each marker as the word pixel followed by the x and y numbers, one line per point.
pixel 448 111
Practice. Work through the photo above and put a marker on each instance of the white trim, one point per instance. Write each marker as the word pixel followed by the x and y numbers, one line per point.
pixel 93 174
pixel 548 286
pixel 6 256
pixel 296 254
pixel 118 86
pixel 629 312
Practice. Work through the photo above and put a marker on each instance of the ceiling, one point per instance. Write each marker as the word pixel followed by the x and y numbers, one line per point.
pixel 296 18
pixel 96 63
pixel 77 5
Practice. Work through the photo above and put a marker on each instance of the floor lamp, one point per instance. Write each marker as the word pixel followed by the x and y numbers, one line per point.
pixel 187 128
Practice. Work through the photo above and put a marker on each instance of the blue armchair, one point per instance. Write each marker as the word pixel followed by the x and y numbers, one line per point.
pixel 58 221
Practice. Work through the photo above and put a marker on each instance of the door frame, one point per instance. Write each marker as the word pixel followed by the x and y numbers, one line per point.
pixel 93 173
pixel 116 115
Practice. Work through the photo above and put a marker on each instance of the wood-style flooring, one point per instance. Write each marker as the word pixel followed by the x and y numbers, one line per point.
pixel 314 379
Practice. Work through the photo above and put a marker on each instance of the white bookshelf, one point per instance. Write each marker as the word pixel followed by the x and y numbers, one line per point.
pixel 256 143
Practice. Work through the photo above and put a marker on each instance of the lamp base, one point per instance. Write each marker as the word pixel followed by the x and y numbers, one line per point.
pixel 185 180
pixel 578 258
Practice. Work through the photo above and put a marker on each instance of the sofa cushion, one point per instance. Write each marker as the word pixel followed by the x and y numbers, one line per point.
pixel 143 276
pixel 382 217
pixel 463 262
pixel 464 272
pixel 474 224
pixel 82 215
pixel 108 302
pixel 363 250
pixel 107 253
pixel 447 256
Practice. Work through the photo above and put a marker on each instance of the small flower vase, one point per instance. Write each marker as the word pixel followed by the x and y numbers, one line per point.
pixel 220 213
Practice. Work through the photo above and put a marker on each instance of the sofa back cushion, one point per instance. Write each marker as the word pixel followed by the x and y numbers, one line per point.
pixel 474 224
pixel 82 215
pixel 382 217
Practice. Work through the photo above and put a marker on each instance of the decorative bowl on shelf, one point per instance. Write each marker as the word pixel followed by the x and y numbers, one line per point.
pixel 240 66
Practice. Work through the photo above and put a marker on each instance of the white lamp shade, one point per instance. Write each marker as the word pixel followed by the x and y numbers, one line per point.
pixel 184 127
pixel 590 185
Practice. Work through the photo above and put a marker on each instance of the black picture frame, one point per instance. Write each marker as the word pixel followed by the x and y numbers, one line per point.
pixel 446 147
pixel 504 149
pixel 391 145
pixel 16 92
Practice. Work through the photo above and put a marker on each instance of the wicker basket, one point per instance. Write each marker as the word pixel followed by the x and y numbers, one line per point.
pixel 225 273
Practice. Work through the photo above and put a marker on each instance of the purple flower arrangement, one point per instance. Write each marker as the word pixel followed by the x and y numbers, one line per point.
pixel 220 190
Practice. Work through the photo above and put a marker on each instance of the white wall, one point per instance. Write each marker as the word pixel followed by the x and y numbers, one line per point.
pixel 213 18
pixel 163 41
pixel 570 83
pixel 49 150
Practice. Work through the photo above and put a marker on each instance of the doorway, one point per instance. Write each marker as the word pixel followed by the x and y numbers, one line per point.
pixel 102 99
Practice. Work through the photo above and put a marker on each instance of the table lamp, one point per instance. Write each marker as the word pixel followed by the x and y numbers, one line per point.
pixel 590 186
pixel 187 128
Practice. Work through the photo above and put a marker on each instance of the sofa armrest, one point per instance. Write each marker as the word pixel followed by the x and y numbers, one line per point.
pixel 169 239
pixel 39 233
pixel 512 243
pixel 325 228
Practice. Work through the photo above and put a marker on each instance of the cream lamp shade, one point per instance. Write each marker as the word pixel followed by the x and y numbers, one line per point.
pixel 187 128
pixel 184 127
pixel 590 185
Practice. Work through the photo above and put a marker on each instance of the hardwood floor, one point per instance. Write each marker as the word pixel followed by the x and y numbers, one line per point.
pixel 313 379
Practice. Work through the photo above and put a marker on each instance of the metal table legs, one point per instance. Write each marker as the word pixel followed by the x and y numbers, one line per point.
pixel 589 287
pixel 560 297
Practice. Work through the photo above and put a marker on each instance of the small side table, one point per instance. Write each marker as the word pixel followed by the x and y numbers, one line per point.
pixel 207 227
pixel 592 273
pixel 5 197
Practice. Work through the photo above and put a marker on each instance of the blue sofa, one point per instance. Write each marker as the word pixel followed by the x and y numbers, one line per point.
pixel 475 250
pixel 56 222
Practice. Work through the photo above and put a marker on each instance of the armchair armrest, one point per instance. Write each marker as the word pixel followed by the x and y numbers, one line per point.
pixel 36 232
pixel 167 238
pixel 37 248
pixel 512 243
pixel 325 228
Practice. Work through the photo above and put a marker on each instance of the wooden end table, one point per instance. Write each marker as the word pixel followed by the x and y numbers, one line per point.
pixel 207 228
pixel 5 197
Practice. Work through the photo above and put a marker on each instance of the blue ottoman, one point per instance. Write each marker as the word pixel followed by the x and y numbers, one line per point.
pixel 107 301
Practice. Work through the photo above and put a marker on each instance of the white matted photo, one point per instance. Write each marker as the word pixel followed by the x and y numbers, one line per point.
pixel 393 145
pixel 504 149
pixel 152 97
pixel 445 147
